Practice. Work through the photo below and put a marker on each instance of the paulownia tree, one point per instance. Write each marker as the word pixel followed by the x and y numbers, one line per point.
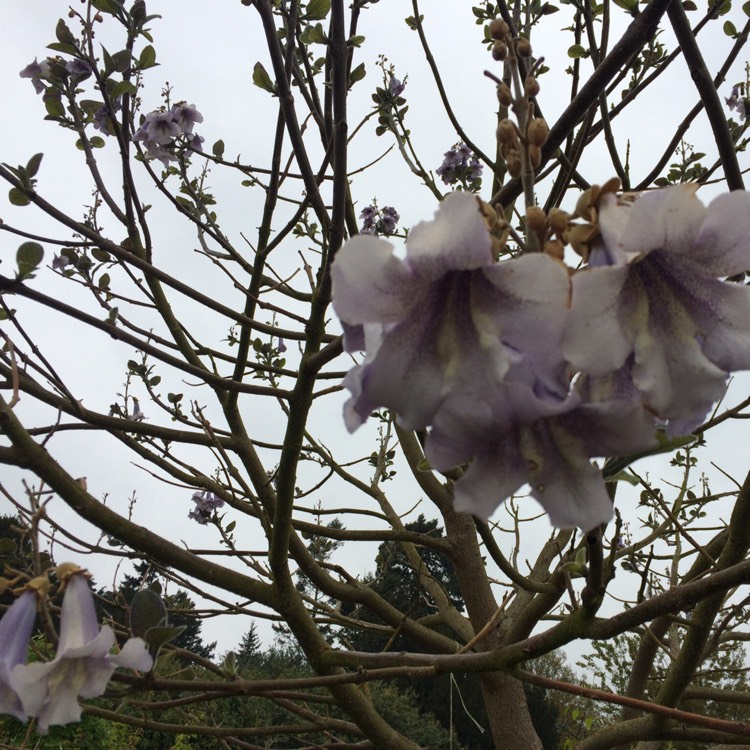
pixel 570 308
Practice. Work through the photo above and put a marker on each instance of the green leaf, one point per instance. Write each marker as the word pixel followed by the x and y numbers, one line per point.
pixel 157 637
pixel 101 255
pixel 121 60
pixel 17 197
pixel 314 35
pixel 96 141
pixel 66 49
pixel 104 281
pixel 261 78
pixel 28 256
pixel 356 41
pixel 64 34
pixel 230 527
pixel 147 58
pixel 54 106
pixel 106 6
pixel 147 611
pixel 548 9
pixel 317 9
pixel 413 23
pixel 122 87
pixel 155 381
pixel 579 51
pixel 357 74
pixel 746 8
pixel 623 476
pixel 730 29
pixel 689 5
pixel 218 149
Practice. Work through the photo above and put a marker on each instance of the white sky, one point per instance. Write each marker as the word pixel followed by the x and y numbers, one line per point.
pixel 207 56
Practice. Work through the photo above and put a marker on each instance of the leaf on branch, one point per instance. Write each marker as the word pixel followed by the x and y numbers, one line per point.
pixel 64 34
pixel 18 197
pixel 413 23
pixel 28 257
pixel 730 29
pixel 317 9
pixel 106 6
pixel 262 80
pixel 54 107
pixel 357 74
pixel 147 58
pixel 578 50
pixel 32 167
pixel 67 49
pixel 218 149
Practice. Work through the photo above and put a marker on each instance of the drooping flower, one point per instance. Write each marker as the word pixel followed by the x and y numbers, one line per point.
pixel 15 634
pixel 82 666
pixel 521 436
pixel 652 293
pixel 447 321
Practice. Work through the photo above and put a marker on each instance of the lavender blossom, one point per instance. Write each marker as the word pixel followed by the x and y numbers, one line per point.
pixel 652 300
pixel 38 73
pixel 82 666
pixel 460 165
pixel 395 87
pixel 15 634
pixel 185 116
pixel 206 503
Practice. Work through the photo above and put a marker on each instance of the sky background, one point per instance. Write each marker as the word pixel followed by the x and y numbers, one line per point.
pixel 206 53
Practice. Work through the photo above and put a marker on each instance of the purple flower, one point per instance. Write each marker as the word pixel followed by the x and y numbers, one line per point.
pixel 460 165
pixel 206 503
pixel 521 435
pixel 736 101
pixel 395 87
pixel 78 69
pixel 185 116
pixel 37 72
pixel 158 129
pixel 652 301
pixel 15 634
pixel 389 219
pixel 83 664
pixel 369 216
pixel 446 322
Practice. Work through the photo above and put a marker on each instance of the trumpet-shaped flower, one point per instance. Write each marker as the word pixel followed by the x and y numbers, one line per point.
pixel 15 634
pixel 652 292
pixel 83 664
pixel 447 321
pixel 525 437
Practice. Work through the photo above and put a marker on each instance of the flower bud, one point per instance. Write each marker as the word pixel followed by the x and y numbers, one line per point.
pixel 499 51
pixel 498 29
pixel 555 248
pixel 513 162
pixel 531 87
pixel 557 220
pixel 535 156
pixel 580 237
pixel 506 133
pixel 504 96
pixel 523 48
pixel 537 132
pixel 536 221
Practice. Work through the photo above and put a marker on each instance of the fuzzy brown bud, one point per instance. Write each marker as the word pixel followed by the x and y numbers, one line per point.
pixel 558 220
pixel 535 156
pixel 504 96
pixel 537 132
pixel 523 48
pixel 555 248
pixel 498 29
pixel 513 162
pixel 531 86
pixel 499 51
pixel 506 133
pixel 536 221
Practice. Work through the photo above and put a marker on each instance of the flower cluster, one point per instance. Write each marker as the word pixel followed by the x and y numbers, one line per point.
pixel 379 221
pixel 205 505
pixel 162 130
pixel 528 373
pixel 460 165
pixel 82 667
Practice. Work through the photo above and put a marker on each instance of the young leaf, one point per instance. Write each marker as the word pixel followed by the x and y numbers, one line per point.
pixel 261 78
pixel 218 149
pixel 28 257
pixel 357 74
pixel 18 198
pixel 317 9
pixel 147 58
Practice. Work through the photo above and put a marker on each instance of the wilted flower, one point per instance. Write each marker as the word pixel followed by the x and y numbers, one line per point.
pixel 447 321
pixel 652 301
pixel 15 634
pixel 205 505
pixel 83 664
